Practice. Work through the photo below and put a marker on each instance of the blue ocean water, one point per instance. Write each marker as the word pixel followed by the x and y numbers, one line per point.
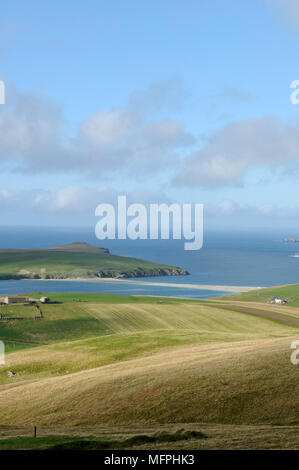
pixel 28 286
pixel 227 258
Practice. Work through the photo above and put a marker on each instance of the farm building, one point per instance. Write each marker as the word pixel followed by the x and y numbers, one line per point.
pixel 278 300
pixel 15 299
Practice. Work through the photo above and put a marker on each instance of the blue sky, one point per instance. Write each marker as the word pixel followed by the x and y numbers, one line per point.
pixel 164 101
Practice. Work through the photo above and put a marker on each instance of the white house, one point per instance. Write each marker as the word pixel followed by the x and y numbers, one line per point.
pixel 15 299
pixel 278 300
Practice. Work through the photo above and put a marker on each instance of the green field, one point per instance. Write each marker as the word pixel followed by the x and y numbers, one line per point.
pixel 74 336
pixel 99 360
pixel 108 298
pixel 289 292
pixel 78 260
pixel 101 442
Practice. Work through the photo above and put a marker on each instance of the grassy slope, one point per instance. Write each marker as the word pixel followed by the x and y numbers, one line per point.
pixel 71 321
pixel 139 362
pixel 117 332
pixel 61 263
pixel 250 382
pixel 289 292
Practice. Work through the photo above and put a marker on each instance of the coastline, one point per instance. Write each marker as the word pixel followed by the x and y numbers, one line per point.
pixel 162 284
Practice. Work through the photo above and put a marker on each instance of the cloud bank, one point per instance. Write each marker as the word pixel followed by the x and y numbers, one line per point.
pixel 126 140
pixel 75 206
pixel 132 142
pixel 229 153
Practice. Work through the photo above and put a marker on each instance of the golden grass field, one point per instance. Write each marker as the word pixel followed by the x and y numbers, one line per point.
pixel 152 365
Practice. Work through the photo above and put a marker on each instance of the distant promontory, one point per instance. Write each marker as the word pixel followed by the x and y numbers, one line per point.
pixel 77 261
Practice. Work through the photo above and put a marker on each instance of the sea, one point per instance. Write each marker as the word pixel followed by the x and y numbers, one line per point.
pixel 227 258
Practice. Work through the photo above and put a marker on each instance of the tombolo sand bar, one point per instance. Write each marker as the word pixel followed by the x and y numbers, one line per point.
pixel 163 284
pixel 198 286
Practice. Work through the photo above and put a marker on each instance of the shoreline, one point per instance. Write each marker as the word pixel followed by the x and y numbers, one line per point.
pixel 232 289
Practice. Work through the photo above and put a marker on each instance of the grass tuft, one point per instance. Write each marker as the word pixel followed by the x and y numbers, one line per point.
pixel 95 444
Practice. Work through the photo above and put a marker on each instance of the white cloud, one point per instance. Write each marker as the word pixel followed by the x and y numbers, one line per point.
pixel 239 215
pixel 123 140
pixel 167 133
pixel 128 142
pixel 76 199
pixel 229 153
pixel 70 200
pixel 29 125
pixel 75 205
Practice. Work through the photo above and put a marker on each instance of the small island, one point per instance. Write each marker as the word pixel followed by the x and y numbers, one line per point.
pixel 77 261
pixel 291 240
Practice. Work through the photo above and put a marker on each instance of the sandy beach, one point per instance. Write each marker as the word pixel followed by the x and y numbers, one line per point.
pixel 162 284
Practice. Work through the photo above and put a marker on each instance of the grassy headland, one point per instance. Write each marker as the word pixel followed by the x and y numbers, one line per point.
pixel 77 261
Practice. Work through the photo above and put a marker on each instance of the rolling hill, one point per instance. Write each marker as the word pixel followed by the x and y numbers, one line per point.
pixel 128 361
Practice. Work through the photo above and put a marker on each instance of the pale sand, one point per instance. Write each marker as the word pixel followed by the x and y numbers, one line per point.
pixel 162 284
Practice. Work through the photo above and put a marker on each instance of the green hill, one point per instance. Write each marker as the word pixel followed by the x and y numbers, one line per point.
pixel 77 260
pixel 117 360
